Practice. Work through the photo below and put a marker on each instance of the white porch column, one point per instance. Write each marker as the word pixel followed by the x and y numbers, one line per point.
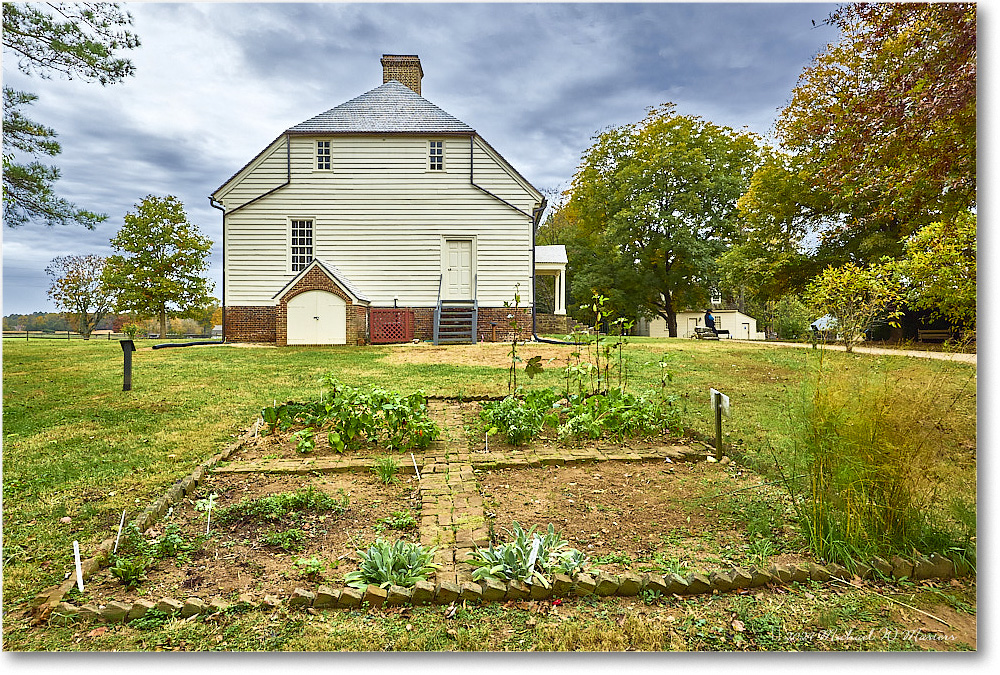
pixel 560 300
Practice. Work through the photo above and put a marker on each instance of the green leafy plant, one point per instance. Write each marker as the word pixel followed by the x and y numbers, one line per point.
pixel 277 507
pixel 305 440
pixel 399 520
pixel 312 567
pixel 129 570
pixel 528 557
pixel 153 619
pixel 288 540
pixel 399 563
pixel 386 469
pixel 172 542
pixel 616 558
pixel 131 330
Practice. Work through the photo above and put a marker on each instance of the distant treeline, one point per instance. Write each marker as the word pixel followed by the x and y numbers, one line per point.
pixel 60 321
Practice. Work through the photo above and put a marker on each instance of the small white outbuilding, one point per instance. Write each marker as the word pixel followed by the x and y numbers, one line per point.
pixel 740 326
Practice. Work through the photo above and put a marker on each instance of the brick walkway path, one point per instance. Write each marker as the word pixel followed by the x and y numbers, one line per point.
pixel 452 516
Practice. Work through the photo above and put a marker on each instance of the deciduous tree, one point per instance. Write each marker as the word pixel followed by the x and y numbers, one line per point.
pixel 78 288
pixel 855 296
pixel 660 196
pixel 159 259
pixel 76 41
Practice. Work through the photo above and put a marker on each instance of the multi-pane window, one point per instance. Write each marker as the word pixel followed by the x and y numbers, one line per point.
pixel 436 157
pixel 302 244
pixel 322 154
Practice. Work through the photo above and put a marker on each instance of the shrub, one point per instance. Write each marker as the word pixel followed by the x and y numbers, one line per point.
pixel 401 563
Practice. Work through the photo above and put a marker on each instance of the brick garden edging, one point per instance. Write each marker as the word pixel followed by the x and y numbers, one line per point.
pixel 447 518
pixel 561 586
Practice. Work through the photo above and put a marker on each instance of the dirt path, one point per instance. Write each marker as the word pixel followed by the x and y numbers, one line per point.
pixel 916 353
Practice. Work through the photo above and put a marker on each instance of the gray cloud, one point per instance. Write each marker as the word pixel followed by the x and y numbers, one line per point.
pixel 216 82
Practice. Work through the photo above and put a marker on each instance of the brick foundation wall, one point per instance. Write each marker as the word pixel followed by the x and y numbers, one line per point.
pixel 559 324
pixel 316 280
pixel 488 315
pixel 250 324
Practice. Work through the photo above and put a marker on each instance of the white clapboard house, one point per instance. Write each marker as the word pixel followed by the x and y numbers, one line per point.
pixel 380 220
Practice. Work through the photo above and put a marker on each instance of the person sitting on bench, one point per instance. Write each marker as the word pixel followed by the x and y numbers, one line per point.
pixel 709 320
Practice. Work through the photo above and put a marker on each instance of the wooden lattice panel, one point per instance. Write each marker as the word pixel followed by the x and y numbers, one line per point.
pixel 391 325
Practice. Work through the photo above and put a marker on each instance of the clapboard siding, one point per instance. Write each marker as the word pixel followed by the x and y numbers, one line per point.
pixel 380 216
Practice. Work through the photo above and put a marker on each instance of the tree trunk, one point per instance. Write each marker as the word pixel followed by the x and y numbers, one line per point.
pixel 670 314
pixel 163 321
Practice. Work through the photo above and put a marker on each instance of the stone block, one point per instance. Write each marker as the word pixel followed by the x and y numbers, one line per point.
pixel 375 596
pixel 447 592
pixel 169 605
pixel 193 606
pixel 300 597
pixel 901 567
pixel 584 585
pixel 115 611
pixel 607 584
pixel 471 591
pixel 629 585
pixel 800 572
pixel 881 566
pixel 760 578
pixel 676 584
pixel 838 571
pixel 943 568
pixel 398 595
pixel 654 582
pixel 89 612
pixel 517 590
pixel 217 604
pixel 493 590
pixel 349 597
pixel 780 572
pixel 922 568
pixel 539 591
pixel 326 597
pixel 270 602
pixel 246 599
pixel 741 578
pixel 698 583
pixel 818 573
pixel 64 613
pixel 720 581
pixel 423 593
pixel 139 609
pixel 864 571
pixel 562 585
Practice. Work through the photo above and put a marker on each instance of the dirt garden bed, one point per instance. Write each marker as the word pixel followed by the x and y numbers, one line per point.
pixel 234 559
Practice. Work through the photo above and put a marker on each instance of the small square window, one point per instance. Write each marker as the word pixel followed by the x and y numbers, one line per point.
pixel 436 156
pixel 322 154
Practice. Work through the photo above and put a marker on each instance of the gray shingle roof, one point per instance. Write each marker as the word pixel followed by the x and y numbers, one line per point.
pixel 391 108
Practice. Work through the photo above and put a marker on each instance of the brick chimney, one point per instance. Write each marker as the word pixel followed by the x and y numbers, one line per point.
pixel 405 69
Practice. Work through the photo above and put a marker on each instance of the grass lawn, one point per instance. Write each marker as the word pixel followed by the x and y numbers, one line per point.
pixel 76 446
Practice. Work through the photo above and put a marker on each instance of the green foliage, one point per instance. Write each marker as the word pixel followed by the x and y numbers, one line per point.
pixel 516 420
pixel 129 570
pixel 312 567
pixel 172 543
pixel 616 558
pixel 792 318
pixel 528 557
pixel 385 563
pixel 660 198
pixel 76 41
pixel 861 445
pixel 855 296
pixel 940 270
pixel 131 330
pixel 399 520
pixel 275 507
pixel 291 539
pixel 882 126
pixel 77 288
pixel 158 261
pixel 305 440
pixel 153 619
pixel 386 468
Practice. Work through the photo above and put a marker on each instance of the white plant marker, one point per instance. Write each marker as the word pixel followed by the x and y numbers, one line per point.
pixel 533 556
pixel 415 466
pixel 79 568
pixel 209 523
pixel 120 525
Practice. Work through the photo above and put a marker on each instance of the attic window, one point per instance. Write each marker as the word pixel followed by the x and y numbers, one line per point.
pixel 436 156
pixel 302 244
pixel 322 154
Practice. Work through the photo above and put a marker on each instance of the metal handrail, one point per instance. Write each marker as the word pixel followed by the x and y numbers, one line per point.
pixel 437 309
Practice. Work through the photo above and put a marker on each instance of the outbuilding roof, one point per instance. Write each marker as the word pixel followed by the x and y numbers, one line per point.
pixel 555 253
pixel 390 108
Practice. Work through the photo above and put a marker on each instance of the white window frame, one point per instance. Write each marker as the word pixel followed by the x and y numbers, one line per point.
pixel 292 246
pixel 324 155
pixel 432 145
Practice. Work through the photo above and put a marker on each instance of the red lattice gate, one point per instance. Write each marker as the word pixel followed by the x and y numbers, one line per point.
pixel 391 325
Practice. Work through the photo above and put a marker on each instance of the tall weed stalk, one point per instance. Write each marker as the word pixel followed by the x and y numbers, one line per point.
pixel 863 450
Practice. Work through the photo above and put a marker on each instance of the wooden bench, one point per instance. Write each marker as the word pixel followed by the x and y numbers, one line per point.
pixel 703 333
pixel 933 335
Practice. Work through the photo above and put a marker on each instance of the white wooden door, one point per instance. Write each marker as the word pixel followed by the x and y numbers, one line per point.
pixel 458 270
pixel 317 318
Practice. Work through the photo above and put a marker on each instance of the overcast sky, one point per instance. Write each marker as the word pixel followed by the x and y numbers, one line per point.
pixel 215 83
